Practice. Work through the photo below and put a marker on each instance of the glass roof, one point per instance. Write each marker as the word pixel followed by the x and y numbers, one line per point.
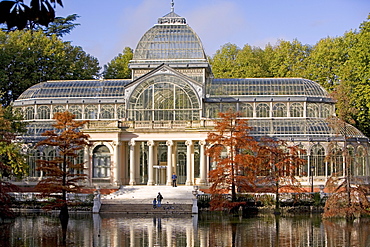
pixel 300 128
pixel 76 89
pixel 265 86
pixel 170 39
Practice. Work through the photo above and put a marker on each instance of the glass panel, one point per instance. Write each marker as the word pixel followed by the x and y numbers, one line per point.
pixel 76 110
pixel 164 97
pixel 43 112
pixel 296 110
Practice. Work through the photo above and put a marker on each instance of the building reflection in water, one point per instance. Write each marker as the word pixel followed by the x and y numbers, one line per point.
pixel 210 230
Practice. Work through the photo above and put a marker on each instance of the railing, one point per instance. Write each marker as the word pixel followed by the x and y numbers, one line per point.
pixel 162 124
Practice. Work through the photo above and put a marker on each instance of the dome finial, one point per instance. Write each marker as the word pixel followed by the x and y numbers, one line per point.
pixel 172 6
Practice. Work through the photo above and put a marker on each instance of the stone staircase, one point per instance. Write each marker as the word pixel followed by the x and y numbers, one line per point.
pixel 139 199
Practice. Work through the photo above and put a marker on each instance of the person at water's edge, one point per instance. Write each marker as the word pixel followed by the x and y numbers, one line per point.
pixel 159 199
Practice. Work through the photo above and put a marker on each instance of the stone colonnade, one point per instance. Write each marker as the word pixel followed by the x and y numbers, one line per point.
pixel 132 160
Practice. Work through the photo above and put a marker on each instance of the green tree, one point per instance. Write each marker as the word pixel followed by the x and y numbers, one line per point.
pixel 224 61
pixel 251 62
pixel 288 59
pixel 355 73
pixel 28 58
pixel 118 67
pixel 18 15
pixel 61 25
pixel 325 62
pixel 63 174
pixel 12 159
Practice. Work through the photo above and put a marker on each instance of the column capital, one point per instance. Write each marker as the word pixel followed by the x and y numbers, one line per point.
pixel 116 143
pixel 131 143
pixel 189 143
pixel 202 142
pixel 150 143
pixel 169 143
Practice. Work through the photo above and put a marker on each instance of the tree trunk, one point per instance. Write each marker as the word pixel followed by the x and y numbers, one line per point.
pixel 64 218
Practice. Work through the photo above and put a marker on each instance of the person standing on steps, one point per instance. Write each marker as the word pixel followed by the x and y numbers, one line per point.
pixel 159 199
pixel 154 203
pixel 174 178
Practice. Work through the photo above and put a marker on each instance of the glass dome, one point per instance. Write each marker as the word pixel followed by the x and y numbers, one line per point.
pixel 170 39
pixel 265 86
pixel 76 89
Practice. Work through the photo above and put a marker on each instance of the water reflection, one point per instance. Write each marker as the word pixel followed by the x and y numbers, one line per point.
pixel 207 230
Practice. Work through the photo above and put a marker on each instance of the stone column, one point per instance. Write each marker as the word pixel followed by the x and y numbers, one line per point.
pixel 117 159
pixel 203 165
pixel 169 162
pixel 88 164
pixel 151 163
pixel 132 162
pixel 189 145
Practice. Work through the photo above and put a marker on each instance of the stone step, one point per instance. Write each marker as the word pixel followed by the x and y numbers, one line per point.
pixel 145 208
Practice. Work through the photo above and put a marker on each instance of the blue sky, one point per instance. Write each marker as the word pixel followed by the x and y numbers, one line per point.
pixel 107 26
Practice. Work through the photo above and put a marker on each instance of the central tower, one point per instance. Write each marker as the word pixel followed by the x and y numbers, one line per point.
pixel 172 42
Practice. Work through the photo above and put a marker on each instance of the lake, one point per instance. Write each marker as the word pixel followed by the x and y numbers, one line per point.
pixel 205 229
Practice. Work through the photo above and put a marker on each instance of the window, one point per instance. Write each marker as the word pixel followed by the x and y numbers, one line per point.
pixel 76 110
pixel 312 110
pixel 263 110
pixel 121 111
pixel 279 110
pixel 29 113
pixel 296 110
pixel 58 108
pixel 247 110
pixel 164 97
pixel 91 112
pixel 106 112
pixel 101 162
pixel 43 112
pixel 317 160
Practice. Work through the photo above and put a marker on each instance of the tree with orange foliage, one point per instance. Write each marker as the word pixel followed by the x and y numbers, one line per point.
pixel 244 164
pixel 63 174
pixel 280 163
pixel 348 193
pixel 234 151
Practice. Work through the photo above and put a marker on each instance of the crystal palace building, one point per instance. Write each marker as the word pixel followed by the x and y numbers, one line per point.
pixel 145 128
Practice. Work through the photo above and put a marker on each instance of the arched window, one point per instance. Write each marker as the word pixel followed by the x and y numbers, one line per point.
pixel 335 160
pixel 58 108
pixel 33 156
pixel 279 110
pixel 121 112
pixel 43 112
pixel 76 110
pixel 29 113
pixel 317 165
pixel 262 110
pixel 164 97
pixel 312 110
pixel 325 111
pixel 106 112
pixel 91 112
pixel 101 162
pixel 360 168
pixel 296 110
pixel 247 110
